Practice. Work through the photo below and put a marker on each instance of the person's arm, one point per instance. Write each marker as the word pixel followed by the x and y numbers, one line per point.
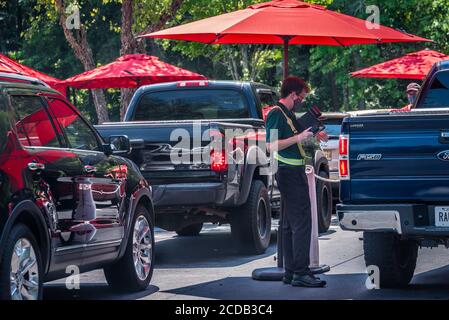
pixel 286 143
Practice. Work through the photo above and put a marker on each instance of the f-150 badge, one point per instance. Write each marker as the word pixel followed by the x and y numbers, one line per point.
pixel 443 155
pixel 369 157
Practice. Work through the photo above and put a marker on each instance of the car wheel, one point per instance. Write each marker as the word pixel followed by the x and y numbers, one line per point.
pixel 251 223
pixel 190 231
pixel 395 258
pixel 134 270
pixel 324 203
pixel 21 276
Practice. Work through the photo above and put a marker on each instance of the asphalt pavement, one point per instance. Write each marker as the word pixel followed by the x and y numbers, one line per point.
pixel 210 267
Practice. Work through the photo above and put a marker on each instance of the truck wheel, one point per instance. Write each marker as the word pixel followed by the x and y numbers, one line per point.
pixel 324 203
pixel 395 258
pixel 190 231
pixel 251 223
pixel 134 270
pixel 21 276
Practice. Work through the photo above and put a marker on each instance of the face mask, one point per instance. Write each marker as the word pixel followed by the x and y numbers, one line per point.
pixel 297 106
pixel 411 98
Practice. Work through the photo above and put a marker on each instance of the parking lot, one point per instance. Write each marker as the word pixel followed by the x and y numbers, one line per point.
pixel 209 267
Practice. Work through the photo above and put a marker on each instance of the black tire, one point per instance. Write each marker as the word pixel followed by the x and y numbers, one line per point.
pixel 190 231
pixel 19 231
pixel 324 203
pixel 122 275
pixel 395 258
pixel 251 223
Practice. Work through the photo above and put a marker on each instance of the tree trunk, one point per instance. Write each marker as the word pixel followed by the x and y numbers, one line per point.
pixel 334 93
pixel 78 41
pixel 128 46
pixel 131 44
pixel 361 103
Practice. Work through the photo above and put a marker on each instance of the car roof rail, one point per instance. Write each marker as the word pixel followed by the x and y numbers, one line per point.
pixel 18 78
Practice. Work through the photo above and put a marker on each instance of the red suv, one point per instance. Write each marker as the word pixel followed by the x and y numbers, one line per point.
pixel 68 201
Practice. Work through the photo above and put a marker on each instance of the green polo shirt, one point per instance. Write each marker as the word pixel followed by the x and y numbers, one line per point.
pixel 276 120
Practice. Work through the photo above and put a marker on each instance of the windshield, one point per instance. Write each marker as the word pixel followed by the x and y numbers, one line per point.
pixel 191 105
pixel 438 94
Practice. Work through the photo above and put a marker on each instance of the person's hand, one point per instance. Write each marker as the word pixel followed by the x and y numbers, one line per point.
pixel 322 136
pixel 306 134
pixel 407 108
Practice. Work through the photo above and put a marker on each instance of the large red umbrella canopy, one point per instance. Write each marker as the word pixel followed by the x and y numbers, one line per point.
pixel 414 65
pixel 131 71
pixel 11 66
pixel 284 22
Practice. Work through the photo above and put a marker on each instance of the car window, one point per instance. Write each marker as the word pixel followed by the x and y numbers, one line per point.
pixel 79 135
pixel 437 95
pixel 191 105
pixel 34 127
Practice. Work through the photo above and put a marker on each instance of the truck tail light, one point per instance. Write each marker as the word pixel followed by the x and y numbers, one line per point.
pixel 344 168
pixel 343 145
pixel 344 157
pixel 218 161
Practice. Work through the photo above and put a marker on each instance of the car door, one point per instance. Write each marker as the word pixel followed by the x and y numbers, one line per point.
pixel 49 170
pixel 100 186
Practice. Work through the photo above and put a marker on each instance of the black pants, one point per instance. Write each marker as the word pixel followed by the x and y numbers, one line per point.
pixel 297 220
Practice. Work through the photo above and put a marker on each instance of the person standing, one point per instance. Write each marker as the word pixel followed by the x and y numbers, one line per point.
pixel 412 93
pixel 292 182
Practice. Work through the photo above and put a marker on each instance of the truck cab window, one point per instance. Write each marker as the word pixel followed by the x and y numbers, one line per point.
pixel 191 105
pixel 438 94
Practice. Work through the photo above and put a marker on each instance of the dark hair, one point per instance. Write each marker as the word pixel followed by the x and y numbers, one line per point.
pixel 293 84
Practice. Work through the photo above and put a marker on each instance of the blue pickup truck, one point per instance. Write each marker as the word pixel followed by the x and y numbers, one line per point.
pixel 394 171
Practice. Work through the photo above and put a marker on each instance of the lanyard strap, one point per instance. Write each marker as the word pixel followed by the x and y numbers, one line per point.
pixel 295 132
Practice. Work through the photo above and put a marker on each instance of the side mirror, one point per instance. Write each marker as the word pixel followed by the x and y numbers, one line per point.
pixel 118 145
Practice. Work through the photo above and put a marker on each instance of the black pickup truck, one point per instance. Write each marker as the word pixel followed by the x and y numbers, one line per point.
pixel 395 180
pixel 183 118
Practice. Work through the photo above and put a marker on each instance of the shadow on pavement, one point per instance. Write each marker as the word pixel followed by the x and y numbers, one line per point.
pixel 433 284
pixel 208 250
pixel 429 285
pixel 92 291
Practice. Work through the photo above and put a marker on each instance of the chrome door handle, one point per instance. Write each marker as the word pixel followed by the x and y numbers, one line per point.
pixel 35 166
pixel 90 169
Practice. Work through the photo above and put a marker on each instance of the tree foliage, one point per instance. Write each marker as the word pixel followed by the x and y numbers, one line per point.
pixel 30 33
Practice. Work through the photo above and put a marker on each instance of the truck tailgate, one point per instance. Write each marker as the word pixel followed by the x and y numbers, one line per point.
pixel 399 158
pixel 154 147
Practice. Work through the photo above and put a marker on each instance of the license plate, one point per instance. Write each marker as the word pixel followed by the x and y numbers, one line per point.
pixel 442 216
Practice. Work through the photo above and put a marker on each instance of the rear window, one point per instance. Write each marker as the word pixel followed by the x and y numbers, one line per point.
pixel 191 105
pixel 438 94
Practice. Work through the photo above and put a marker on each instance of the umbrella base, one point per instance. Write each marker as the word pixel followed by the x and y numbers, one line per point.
pixel 268 274
pixel 276 274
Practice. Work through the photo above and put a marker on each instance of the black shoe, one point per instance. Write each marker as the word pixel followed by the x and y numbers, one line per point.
pixel 287 278
pixel 307 280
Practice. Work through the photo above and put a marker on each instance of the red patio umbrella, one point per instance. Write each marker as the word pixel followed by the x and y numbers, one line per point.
pixel 131 71
pixel 284 22
pixel 414 65
pixel 11 66
pixel 5 68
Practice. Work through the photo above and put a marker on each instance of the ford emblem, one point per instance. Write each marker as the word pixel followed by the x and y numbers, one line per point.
pixel 443 155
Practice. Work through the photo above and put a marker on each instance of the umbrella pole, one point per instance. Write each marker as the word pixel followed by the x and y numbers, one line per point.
pixel 286 40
